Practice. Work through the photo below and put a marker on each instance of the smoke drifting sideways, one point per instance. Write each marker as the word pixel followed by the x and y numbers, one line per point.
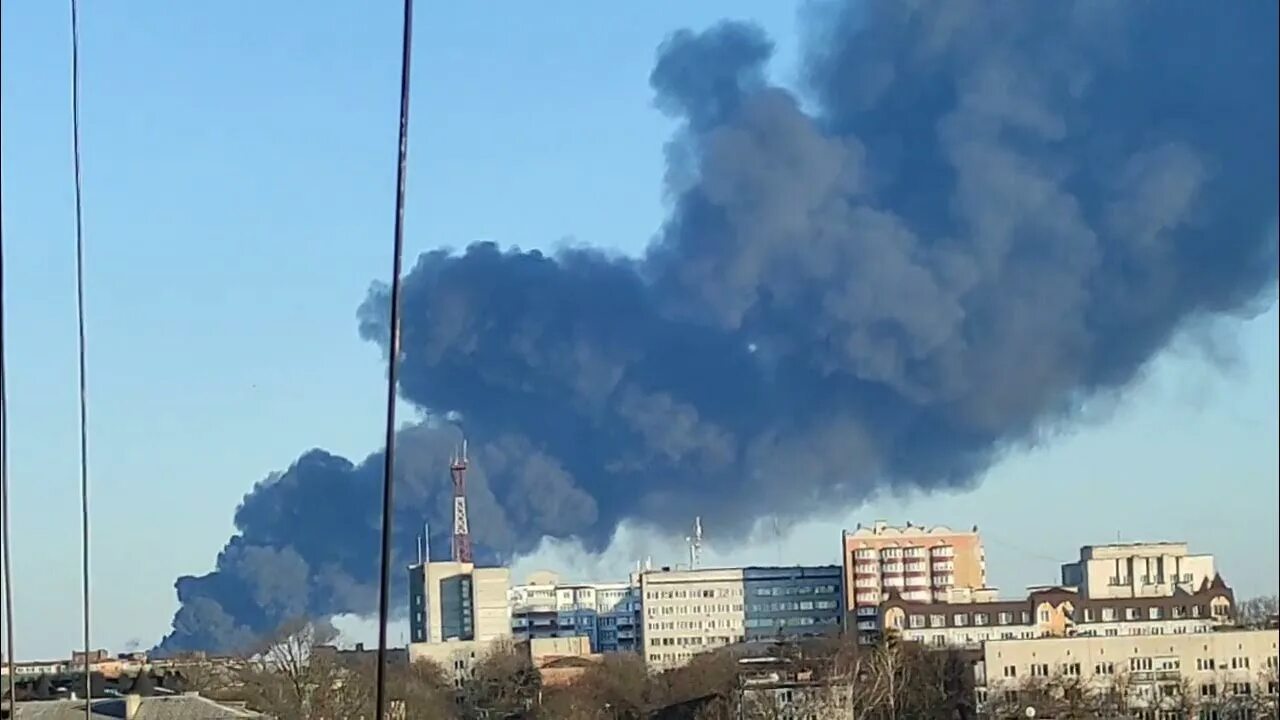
pixel 994 211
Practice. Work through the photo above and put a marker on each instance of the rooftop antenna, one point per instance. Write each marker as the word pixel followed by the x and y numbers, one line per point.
pixel 461 534
pixel 695 544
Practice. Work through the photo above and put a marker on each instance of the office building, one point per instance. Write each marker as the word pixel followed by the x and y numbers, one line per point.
pixel 1058 612
pixel 607 614
pixel 687 612
pixel 921 564
pixel 456 612
pixel 1137 570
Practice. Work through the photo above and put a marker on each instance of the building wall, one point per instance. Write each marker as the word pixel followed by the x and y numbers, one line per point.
pixel 924 564
pixel 1145 661
pixel 457 601
pixel 1058 612
pixel 792 601
pixel 687 612
pixel 608 614
pixel 1133 570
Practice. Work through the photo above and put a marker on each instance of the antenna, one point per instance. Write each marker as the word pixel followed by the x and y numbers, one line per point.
pixel 461 533
pixel 695 544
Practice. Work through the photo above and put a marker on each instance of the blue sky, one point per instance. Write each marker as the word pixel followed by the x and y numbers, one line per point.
pixel 239 165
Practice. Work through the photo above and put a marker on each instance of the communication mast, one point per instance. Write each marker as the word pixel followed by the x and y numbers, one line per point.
pixel 695 544
pixel 461 536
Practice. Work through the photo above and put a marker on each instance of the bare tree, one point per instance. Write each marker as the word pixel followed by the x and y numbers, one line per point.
pixel 1258 612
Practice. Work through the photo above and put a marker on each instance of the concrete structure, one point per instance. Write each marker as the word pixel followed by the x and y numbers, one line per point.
pixel 457 601
pixel 691 611
pixel 457 611
pixel 608 614
pixel 560 661
pixel 922 564
pixel 1058 612
pixel 1146 668
pixel 1136 570
pixel 775 687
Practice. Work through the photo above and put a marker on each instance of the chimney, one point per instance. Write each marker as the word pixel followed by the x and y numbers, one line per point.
pixel 132 703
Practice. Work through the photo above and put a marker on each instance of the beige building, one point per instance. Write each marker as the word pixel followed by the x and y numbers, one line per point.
pixel 687 612
pixel 456 612
pixel 921 564
pixel 1058 612
pixel 1136 570
pixel 1147 669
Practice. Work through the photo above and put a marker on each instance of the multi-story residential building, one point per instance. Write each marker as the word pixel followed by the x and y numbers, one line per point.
pixel 1153 673
pixel 921 564
pixel 1059 612
pixel 1134 570
pixel 608 614
pixel 687 612
pixel 456 610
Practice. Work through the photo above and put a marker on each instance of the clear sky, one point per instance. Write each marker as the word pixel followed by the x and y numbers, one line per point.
pixel 239 164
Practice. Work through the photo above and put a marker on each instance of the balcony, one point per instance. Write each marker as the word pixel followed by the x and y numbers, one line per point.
pixel 942 551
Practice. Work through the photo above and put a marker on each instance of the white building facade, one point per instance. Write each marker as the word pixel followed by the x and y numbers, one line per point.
pixel 608 614
pixel 687 612
pixel 1137 570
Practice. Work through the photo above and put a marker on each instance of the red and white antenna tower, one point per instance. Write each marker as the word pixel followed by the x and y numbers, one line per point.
pixel 461 536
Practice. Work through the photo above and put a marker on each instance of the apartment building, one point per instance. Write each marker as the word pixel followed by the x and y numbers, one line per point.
pixel 1059 612
pixel 1135 570
pixel 687 612
pixel 456 611
pixel 1203 671
pixel 920 564
pixel 607 614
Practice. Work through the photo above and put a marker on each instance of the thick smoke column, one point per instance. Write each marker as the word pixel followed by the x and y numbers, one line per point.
pixel 995 211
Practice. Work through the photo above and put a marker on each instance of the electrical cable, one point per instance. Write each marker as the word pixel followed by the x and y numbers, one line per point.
pixel 84 425
pixel 393 356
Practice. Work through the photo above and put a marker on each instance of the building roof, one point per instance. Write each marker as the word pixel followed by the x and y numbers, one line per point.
pixel 176 707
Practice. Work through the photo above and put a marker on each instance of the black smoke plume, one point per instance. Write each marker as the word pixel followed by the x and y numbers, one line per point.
pixel 974 216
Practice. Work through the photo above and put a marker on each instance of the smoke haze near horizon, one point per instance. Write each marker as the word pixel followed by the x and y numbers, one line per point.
pixel 994 212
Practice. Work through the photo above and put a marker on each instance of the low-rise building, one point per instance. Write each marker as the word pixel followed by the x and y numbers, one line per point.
pixel 687 612
pixel 608 614
pixel 1059 612
pixel 1149 673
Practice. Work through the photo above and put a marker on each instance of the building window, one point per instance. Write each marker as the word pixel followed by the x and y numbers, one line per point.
pixel 1140 663
pixel 1153 613
pixel 960 619
pixel 1071 669
pixel 1108 614
pixel 1204 664
pixel 1088 615
pixel 1039 670
pixel 980 619
pixel 1208 690
pixel 1010 671
pixel 1131 613
pixel 1044 616
pixel 1105 668
pixel 917 621
pixel 937 620
pixel 1004 618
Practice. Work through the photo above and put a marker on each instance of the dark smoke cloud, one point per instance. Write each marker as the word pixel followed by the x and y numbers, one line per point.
pixel 995 211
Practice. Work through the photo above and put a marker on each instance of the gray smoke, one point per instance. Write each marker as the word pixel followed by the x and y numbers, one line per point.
pixel 997 210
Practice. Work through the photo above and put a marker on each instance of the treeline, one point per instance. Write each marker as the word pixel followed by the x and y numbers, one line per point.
pixel 292 678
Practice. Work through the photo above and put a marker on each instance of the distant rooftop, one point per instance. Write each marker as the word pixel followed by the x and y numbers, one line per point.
pixel 177 707
pixel 880 528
